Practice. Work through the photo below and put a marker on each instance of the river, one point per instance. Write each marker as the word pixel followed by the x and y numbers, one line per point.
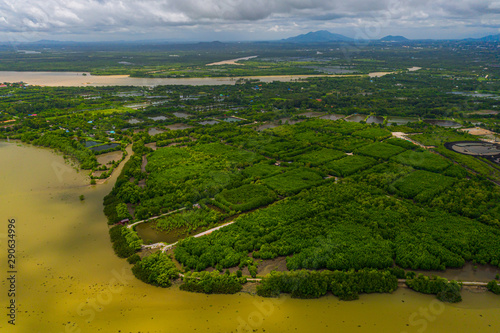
pixel 74 79
pixel 69 280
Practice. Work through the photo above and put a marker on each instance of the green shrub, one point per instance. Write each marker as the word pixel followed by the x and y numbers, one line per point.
pixel 312 284
pixel 213 283
pixel 125 241
pixel 157 269
pixel 494 287
pixel 445 291
pixel 134 259
pixel 246 197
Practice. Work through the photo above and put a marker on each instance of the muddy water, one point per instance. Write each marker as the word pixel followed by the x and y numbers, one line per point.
pixel 69 280
pixel 470 272
pixel 74 79
pixel 154 131
pixel 332 116
pixel 109 157
pixel 375 120
pixel 443 123
pixel 400 120
pixel 312 114
pixel 150 235
pixel 178 127
pixel 356 118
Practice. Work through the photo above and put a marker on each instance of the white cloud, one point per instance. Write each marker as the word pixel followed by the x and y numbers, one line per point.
pixel 106 16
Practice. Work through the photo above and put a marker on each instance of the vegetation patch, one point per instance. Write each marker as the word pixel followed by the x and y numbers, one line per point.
pixel 422 185
pixel 349 165
pixel 380 150
pixel 345 285
pixel 156 269
pixel 228 153
pixel 446 291
pixel 293 181
pixel 262 170
pixel 494 287
pixel 320 156
pixel 422 160
pixel 246 197
pixel 374 133
pixel 212 283
pixel 190 219
pixel 125 241
pixel 401 143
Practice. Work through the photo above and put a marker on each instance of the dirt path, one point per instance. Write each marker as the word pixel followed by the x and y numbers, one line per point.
pixel 154 217
pixel 170 246
pixel 404 136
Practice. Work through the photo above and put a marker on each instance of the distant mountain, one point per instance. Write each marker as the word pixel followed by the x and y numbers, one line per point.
pixel 391 38
pixel 490 38
pixel 321 36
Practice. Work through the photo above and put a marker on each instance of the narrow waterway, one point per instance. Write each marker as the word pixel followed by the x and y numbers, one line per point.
pixel 69 280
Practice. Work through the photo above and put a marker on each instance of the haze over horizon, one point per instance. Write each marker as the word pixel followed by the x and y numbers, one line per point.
pixel 238 20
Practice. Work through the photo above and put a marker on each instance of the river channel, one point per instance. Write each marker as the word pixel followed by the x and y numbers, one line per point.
pixel 80 79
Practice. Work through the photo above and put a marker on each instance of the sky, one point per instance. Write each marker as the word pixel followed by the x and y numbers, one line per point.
pixel 242 20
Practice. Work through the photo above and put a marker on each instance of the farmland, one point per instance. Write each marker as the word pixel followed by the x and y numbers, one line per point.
pixel 390 204
pixel 311 193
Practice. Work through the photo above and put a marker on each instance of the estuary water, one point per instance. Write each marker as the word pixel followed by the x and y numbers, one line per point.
pixel 79 79
pixel 69 280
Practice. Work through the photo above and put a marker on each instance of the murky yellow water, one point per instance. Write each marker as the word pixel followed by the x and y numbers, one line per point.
pixel 69 279
pixel 74 79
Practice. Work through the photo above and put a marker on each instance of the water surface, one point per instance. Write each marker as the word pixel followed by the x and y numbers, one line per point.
pixel 356 118
pixel 443 123
pixel 104 147
pixel 78 79
pixel 181 115
pixel 333 116
pixel 375 120
pixel 174 127
pixel 400 120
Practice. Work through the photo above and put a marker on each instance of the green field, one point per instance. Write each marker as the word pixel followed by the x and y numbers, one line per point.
pixel 293 181
pixel 422 160
pixel 380 150
pixel 422 185
pixel 320 156
pixel 246 197
pixel 349 165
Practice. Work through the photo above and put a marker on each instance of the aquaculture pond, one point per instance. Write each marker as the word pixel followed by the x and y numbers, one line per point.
pixel 375 120
pixel 400 120
pixel 356 118
pixel 91 143
pixel 105 147
pixel 443 123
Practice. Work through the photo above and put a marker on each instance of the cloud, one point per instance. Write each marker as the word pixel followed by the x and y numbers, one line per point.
pixel 108 16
